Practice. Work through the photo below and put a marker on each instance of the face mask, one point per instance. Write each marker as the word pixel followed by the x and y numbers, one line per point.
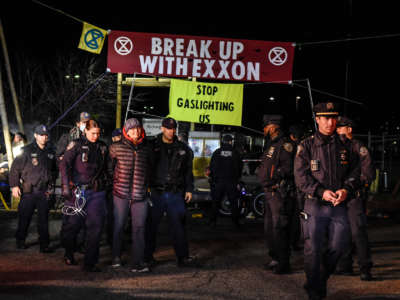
pixel 82 127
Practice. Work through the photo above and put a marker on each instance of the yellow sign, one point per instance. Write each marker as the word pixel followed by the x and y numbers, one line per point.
pixel 207 103
pixel 92 38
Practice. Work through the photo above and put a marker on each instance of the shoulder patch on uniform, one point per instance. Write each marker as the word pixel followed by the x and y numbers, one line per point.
pixel 299 149
pixel 288 147
pixel 363 151
pixel 70 146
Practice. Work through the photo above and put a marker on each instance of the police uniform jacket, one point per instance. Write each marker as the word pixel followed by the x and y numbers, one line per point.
pixel 129 165
pixel 172 165
pixel 277 162
pixel 225 165
pixel 84 163
pixel 367 167
pixel 36 168
pixel 67 138
pixel 325 162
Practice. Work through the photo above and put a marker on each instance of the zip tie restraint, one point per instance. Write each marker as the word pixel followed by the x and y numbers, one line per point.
pixel 79 204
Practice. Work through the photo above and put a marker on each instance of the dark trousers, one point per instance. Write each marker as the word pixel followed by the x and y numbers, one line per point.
pixel 95 210
pixel 174 205
pixel 26 208
pixel 358 238
pixel 221 189
pixel 295 229
pixel 326 232
pixel 277 226
pixel 138 211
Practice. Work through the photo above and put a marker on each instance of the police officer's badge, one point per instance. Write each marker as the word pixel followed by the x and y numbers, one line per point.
pixel 288 147
pixel 34 158
pixel 315 165
pixel 50 156
pixel 363 151
pixel 271 151
pixel 329 105
pixel 343 157
pixel 182 152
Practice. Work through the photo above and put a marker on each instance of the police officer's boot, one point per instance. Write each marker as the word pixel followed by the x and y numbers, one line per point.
pixel 69 259
pixel 212 222
pixel 365 275
pixel 46 249
pixel 21 244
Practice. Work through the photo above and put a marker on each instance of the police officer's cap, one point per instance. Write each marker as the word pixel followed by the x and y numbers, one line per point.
pixel 344 121
pixel 84 116
pixel 41 130
pixel 272 119
pixel 132 123
pixel 227 138
pixel 116 132
pixel 327 109
pixel 169 123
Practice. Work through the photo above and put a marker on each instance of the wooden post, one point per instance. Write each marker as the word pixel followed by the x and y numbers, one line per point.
pixel 10 80
pixel 7 138
pixel 119 101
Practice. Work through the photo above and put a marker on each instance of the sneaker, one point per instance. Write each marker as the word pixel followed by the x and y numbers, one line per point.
pixel 189 261
pixel 116 262
pixel 151 262
pixel 140 268
pixel 271 265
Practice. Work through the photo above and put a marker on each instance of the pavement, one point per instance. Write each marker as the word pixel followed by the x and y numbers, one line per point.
pixel 230 267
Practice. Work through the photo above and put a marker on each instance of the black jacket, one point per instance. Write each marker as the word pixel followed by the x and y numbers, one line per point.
pixel 35 167
pixel 225 165
pixel 368 172
pixel 84 163
pixel 325 162
pixel 277 162
pixel 129 165
pixel 172 165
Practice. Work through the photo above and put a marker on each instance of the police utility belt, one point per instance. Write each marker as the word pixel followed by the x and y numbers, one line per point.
pixel 166 188
pixel 83 187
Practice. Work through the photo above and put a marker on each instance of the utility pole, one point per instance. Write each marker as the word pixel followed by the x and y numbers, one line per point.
pixel 4 122
pixel 10 80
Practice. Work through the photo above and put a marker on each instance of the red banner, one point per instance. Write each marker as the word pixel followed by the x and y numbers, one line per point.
pixel 201 57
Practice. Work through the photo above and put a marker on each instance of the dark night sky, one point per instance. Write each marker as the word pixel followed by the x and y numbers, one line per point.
pixel 372 64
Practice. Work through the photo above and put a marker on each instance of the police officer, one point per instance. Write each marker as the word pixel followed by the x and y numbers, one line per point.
pixel 32 175
pixel 171 185
pixel 327 171
pixel 276 176
pixel 296 134
pixel 129 163
pixel 356 207
pixel 225 172
pixel 75 133
pixel 84 181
